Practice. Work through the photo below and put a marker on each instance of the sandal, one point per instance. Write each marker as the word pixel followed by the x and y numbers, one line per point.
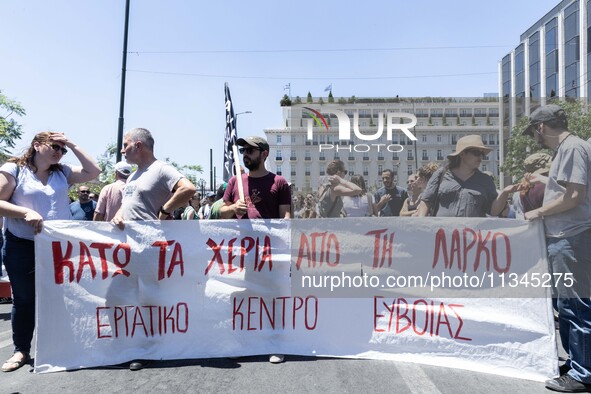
pixel 15 362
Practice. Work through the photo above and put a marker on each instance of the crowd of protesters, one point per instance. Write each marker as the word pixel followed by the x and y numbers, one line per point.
pixel 34 188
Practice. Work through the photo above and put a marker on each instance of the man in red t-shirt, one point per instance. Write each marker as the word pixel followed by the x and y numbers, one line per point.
pixel 267 195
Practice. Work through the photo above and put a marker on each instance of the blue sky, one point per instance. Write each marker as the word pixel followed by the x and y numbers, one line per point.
pixel 62 60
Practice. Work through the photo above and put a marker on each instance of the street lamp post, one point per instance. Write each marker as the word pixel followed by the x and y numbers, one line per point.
pixel 201 184
pixel 236 119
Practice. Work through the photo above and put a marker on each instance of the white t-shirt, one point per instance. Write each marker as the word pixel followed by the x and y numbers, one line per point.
pixel 50 201
pixel 356 206
pixel 147 190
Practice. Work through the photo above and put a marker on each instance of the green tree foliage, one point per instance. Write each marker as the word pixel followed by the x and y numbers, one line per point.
pixel 10 130
pixel 309 98
pixel 285 101
pixel 298 100
pixel 330 97
pixel 520 146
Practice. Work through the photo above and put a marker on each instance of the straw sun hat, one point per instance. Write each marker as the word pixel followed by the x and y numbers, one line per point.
pixel 469 142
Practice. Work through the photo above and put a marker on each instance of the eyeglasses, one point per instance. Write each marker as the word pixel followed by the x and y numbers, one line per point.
pixel 83 191
pixel 476 152
pixel 248 151
pixel 58 148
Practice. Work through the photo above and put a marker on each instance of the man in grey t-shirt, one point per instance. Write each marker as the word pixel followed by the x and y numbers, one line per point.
pixel 152 192
pixel 567 220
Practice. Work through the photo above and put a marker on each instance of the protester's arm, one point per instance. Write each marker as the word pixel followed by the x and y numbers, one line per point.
pixel 501 201
pixel 573 196
pixel 343 187
pixel 89 169
pixel 191 214
pixel 536 178
pixel 98 217
pixel 118 219
pixel 7 209
pixel 404 210
pixel 383 201
pixel 285 211
pixel 423 209
pixel 231 210
pixel 182 192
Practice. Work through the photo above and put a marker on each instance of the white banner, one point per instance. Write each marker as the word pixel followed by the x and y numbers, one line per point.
pixel 198 289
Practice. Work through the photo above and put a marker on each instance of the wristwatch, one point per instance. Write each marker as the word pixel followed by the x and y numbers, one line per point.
pixel 164 212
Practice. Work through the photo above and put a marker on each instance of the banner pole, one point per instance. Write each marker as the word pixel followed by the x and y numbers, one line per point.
pixel 238 173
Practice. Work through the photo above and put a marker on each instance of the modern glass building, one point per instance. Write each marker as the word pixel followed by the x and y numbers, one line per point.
pixel 551 60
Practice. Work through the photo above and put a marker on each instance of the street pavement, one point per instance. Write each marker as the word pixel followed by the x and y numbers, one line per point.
pixel 256 375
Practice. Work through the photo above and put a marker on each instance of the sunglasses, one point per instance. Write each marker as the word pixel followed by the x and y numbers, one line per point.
pixel 476 152
pixel 83 191
pixel 248 151
pixel 58 148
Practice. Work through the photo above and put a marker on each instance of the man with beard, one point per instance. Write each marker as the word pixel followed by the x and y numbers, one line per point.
pixel 83 208
pixel 389 198
pixel 567 221
pixel 267 195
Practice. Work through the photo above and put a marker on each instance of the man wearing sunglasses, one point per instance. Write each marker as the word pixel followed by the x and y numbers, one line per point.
pixel 83 208
pixel 267 195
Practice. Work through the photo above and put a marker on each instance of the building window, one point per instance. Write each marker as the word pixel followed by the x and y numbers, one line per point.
pixel 279 172
pixel 307 155
pixel 439 138
pixel 409 169
pixel 293 139
pixel 425 156
pixel 409 156
pixel 278 155
pixel 292 155
pixel 322 169
pixel 293 170
pixel 439 155
pixel 351 169
pixel 279 139
pixel 307 169
pixel 424 137
pixel 365 170
pixel 551 58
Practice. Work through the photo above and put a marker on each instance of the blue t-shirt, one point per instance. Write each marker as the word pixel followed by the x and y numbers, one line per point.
pixel 83 211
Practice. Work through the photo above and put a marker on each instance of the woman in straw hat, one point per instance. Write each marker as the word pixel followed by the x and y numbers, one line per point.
pixel 460 189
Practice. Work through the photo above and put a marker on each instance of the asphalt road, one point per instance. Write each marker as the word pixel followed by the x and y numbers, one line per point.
pixel 256 375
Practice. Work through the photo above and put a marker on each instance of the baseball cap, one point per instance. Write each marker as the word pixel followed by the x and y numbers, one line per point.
pixel 123 168
pixel 257 142
pixel 545 113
